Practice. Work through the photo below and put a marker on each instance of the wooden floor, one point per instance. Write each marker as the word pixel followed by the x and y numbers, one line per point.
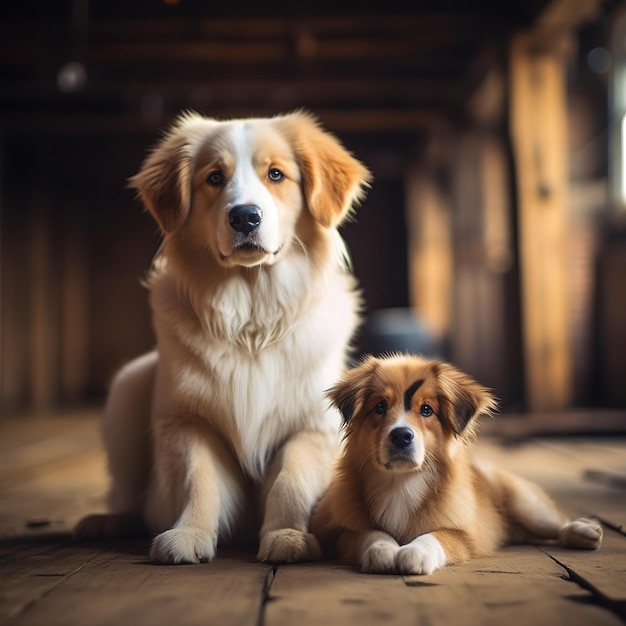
pixel 52 472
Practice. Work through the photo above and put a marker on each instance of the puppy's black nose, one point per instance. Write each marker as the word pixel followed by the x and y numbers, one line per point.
pixel 401 437
pixel 244 218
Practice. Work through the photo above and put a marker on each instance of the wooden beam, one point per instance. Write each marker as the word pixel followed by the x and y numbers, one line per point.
pixel 468 23
pixel 568 14
pixel 2 256
pixel 44 310
pixel 338 120
pixel 430 251
pixel 74 323
pixel 184 85
pixel 539 134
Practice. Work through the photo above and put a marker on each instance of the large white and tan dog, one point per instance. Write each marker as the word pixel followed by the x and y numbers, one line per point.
pixel 407 498
pixel 254 309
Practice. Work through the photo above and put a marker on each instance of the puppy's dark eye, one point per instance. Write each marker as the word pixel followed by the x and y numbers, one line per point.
pixel 215 178
pixel 275 175
pixel 381 408
pixel 426 410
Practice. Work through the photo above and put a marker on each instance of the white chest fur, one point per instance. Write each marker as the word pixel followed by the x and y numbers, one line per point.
pixel 256 364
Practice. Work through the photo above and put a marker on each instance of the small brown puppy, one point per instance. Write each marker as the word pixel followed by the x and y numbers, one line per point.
pixel 406 497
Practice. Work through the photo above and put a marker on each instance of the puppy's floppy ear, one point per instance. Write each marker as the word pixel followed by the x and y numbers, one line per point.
pixel 333 180
pixel 349 394
pixel 462 399
pixel 164 180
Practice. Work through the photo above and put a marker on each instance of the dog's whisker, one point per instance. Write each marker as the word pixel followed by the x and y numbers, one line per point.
pixel 300 243
pixel 366 460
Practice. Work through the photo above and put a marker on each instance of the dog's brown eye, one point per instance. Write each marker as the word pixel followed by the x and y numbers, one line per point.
pixel 426 410
pixel 275 175
pixel 381 408
pixel 215 178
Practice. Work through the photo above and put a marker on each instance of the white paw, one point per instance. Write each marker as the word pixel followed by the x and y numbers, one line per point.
pixel 582 533
pixel 288 546
pixel 423 555
pixel 183 545
pixel 379 558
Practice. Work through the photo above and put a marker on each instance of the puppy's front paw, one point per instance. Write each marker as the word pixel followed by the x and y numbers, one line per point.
pixel 183 545
pixel 379 558
pixel 288 546
pixel 582 534
pixel 423 555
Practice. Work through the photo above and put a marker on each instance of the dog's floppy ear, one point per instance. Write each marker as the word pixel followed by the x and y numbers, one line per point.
pixel 164 180
pixel 349 394
pixel 462 399
pixel 333 180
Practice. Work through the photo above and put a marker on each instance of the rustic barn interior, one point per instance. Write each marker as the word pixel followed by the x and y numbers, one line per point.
pixel 495 218
pixel 493 132
pixel 494 235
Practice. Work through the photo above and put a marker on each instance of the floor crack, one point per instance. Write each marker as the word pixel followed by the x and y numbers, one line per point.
pixel 619 528
pixel 62 579
pixel 617 607
pixel 268 581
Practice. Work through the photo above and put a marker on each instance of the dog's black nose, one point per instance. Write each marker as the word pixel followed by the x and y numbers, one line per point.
pixel 401 437
pixel 244 218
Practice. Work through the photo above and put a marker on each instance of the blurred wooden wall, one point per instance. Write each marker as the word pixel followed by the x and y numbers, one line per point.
pixel 72 257
pixel 491 221
pixel 510 259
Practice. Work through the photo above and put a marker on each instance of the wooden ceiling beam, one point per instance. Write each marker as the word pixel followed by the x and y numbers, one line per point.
pixel 571 14
pixel 371 72
pixel 460 23
pixel 379 120
pixel 254 52
pixel 333 89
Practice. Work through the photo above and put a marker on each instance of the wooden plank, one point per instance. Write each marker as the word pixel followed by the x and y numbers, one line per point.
pixel 56 498
pixel 31 569
pixel 612 308
pixel 44 310
pixel 47 578
pixel 570 422
pixel 52 472
pixel 603 571
pixel 480 338
pixel 122 587
pixel 334 593
pixel 563 467
pixel 430 252
pixel 518 586
pixel 372 120
pixel 74 314
pixel 539 134
pixel 14 305
pixel 2 257
pixel 32 447
pixel 32 440
pixel 560 14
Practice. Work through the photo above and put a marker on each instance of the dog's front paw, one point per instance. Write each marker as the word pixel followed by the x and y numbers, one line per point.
pixel 183 545
pixel 582 534
pixel 379 558
pixel 288 546
pixel 423 555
